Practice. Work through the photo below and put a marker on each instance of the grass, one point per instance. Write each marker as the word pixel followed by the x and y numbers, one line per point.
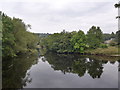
pixel 105 51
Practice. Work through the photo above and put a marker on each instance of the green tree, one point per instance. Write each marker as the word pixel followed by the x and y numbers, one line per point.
pixel 16 39
pixel 58 42
pixel 94 37
pixel 8 40
pixel 78 41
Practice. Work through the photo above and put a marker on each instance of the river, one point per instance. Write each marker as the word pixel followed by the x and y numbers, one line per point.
pixel 60 71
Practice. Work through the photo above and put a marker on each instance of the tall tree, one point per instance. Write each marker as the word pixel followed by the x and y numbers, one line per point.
pixel 16 39
pixel 94 37
pixel 8 40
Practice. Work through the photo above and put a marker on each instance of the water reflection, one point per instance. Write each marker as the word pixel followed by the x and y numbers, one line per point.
pixel 19 73
pixel 78 64
pixel 14 71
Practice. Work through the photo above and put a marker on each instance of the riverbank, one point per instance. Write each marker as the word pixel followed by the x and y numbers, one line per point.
pixel 110 51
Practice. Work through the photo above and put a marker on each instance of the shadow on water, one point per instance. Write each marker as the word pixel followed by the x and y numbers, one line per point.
pixel 15 71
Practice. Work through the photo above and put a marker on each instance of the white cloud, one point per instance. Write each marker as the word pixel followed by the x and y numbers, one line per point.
pixel 55 15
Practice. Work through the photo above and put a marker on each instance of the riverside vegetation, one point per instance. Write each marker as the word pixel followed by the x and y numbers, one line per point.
pixel 78 42
pixel 18 40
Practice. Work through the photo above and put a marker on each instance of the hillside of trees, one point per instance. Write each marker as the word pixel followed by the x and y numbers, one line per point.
pixel 16 38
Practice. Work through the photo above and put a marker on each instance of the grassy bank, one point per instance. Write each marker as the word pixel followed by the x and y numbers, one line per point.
pixel 110 51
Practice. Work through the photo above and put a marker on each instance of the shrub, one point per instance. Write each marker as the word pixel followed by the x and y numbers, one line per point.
pixel 103 46
pixel 113 43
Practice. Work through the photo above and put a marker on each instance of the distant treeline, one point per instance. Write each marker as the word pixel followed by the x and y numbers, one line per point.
pixel 43 34
pixel 16 39
pixel 71 42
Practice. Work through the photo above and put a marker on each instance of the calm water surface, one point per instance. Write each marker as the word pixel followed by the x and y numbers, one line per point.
pixel 61 71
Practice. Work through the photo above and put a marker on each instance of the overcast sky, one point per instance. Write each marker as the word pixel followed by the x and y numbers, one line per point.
pixel 51 16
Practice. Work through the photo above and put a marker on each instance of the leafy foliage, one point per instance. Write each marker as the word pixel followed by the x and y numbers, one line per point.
pixel 16 39
pixel 108 36
pixel 65 42
pixel 78 41
pixel 94 37
pixel 58 42
pixel 103 46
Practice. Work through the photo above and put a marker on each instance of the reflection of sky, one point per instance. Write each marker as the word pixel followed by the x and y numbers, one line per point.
pixel 55 15
pixel 43 76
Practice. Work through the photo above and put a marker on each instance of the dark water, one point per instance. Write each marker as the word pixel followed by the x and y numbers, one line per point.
pixel 60 71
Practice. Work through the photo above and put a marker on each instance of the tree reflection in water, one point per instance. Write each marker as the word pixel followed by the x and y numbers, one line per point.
pixel 14 71
pixel 77 64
